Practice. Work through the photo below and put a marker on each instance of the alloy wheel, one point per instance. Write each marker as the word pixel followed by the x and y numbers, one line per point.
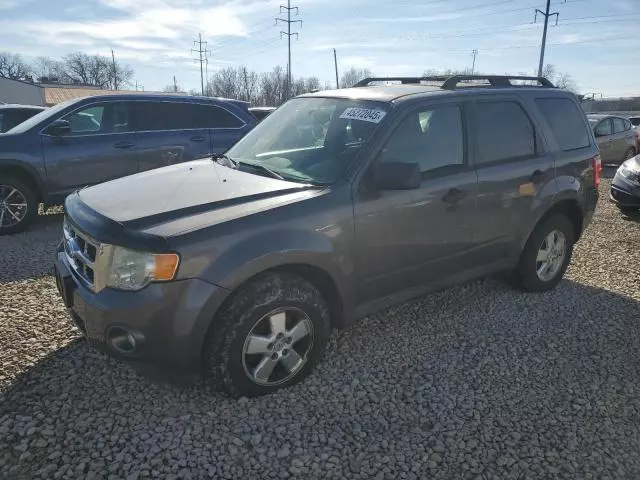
pixel 13 206
pixel 551 255
pixel 277 346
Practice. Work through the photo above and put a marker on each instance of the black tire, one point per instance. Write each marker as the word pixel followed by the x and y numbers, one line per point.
pixel 224 356
pixel 525 275
pixel 28 194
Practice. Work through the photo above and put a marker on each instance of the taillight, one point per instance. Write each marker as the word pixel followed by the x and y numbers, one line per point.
pixel 596 163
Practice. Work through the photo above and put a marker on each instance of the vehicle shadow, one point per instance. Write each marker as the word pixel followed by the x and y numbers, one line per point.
pixel 30 254
pixel 576 342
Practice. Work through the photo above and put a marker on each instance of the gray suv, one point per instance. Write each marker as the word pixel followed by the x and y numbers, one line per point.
pixel 338 204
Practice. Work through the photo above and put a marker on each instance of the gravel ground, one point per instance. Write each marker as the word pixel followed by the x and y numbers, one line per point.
pixel 478 382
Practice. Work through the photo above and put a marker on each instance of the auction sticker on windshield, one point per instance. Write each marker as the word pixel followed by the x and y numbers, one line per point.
pixel 364 114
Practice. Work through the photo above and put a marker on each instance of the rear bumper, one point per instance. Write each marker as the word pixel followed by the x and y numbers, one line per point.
pixel 164 323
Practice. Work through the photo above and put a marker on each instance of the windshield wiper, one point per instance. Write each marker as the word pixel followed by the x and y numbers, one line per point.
pixel 227 161
pixel 262 168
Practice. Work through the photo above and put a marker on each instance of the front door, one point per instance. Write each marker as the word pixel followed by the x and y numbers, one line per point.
pixel 406 239
pixel 621 139
pixel 604 138
pixel 99 147
pixel 169 132
pixel 513 168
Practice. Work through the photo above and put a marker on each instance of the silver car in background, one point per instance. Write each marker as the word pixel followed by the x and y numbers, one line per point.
pixel 616 137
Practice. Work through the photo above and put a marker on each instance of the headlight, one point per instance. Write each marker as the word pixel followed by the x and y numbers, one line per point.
pixel 133 270
pixel 630 170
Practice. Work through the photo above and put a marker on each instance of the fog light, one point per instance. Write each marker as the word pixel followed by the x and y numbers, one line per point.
pixel 124 341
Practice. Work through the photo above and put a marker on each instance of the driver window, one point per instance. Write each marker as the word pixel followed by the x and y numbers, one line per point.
pixel 603 128
pixel 86 120
pixel 433 138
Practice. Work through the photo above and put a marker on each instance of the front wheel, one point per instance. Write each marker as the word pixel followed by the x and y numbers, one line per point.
pixel 268 336
pixel 18 205
pixel 546 255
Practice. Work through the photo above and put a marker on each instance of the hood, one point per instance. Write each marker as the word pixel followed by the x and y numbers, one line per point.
pixel 186 195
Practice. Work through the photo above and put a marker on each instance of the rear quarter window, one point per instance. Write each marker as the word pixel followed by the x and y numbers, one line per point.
pixel 565 121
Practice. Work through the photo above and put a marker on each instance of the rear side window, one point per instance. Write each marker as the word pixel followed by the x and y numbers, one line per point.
pixel 504 132
pixel 618 125
pixel 154 116
pixel 565 121
pixel 210 116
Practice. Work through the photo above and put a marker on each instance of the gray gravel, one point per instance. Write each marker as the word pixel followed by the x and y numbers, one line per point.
pixel 477 382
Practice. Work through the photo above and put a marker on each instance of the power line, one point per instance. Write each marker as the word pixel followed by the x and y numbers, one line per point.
pixel 335 61
pixel 202 57
pixel 543 44
pixel 115 72
pixel 474 53
pixel 289 34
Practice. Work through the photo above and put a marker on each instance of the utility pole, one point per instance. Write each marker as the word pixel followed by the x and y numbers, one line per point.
pixel 335 61
pixel 175 85
pixel 115 72
pixel 474 52
pixel 289 34
pixel 202 58
pixel 546 14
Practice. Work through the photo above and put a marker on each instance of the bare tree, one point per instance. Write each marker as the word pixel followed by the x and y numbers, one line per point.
pixel 13 66
pixel 313 83
pixel 354 75
pixel 224 83
pixel 559 79
pixel 171 88
pixel 248 84
pixel 95 70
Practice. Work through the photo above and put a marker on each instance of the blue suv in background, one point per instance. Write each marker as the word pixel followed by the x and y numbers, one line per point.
pixel 91 140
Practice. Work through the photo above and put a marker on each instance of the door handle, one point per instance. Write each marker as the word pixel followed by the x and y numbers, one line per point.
pixel 124 145
pixel 537 176
pixel 453 196
pixel 197 138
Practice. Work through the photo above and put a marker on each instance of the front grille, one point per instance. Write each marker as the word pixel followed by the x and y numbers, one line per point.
pixel 81 253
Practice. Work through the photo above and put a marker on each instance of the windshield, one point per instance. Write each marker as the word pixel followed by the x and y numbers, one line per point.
pixel 36 119
pixel 310 139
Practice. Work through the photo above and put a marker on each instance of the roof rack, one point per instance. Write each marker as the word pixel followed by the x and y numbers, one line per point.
pixel 450 82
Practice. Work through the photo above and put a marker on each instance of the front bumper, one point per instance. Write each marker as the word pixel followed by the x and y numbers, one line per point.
pixel 164 323
pixel 624 192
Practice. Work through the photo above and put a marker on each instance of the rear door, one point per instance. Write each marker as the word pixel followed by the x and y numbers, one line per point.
pixel 169 132
pixel 604 137
pixel 100 147
pixel 513 167
pixel 621 138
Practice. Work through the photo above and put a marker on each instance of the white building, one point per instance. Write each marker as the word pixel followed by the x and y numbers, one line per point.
pixel 17 91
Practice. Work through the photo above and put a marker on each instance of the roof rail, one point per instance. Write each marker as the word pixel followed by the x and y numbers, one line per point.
pixel 450 82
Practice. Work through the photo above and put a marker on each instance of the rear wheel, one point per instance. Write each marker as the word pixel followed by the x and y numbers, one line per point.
pixel 268 336
pixel 546 255
pixel 18 204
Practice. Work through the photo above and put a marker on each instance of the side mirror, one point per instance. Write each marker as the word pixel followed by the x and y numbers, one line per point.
pixel 58 128
pixel 397 175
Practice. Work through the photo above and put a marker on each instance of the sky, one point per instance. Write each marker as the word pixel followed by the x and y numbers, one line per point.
pixel 595 42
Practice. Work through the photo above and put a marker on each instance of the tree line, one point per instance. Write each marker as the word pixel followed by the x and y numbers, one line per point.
pixel 75 68
pixel 266 88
